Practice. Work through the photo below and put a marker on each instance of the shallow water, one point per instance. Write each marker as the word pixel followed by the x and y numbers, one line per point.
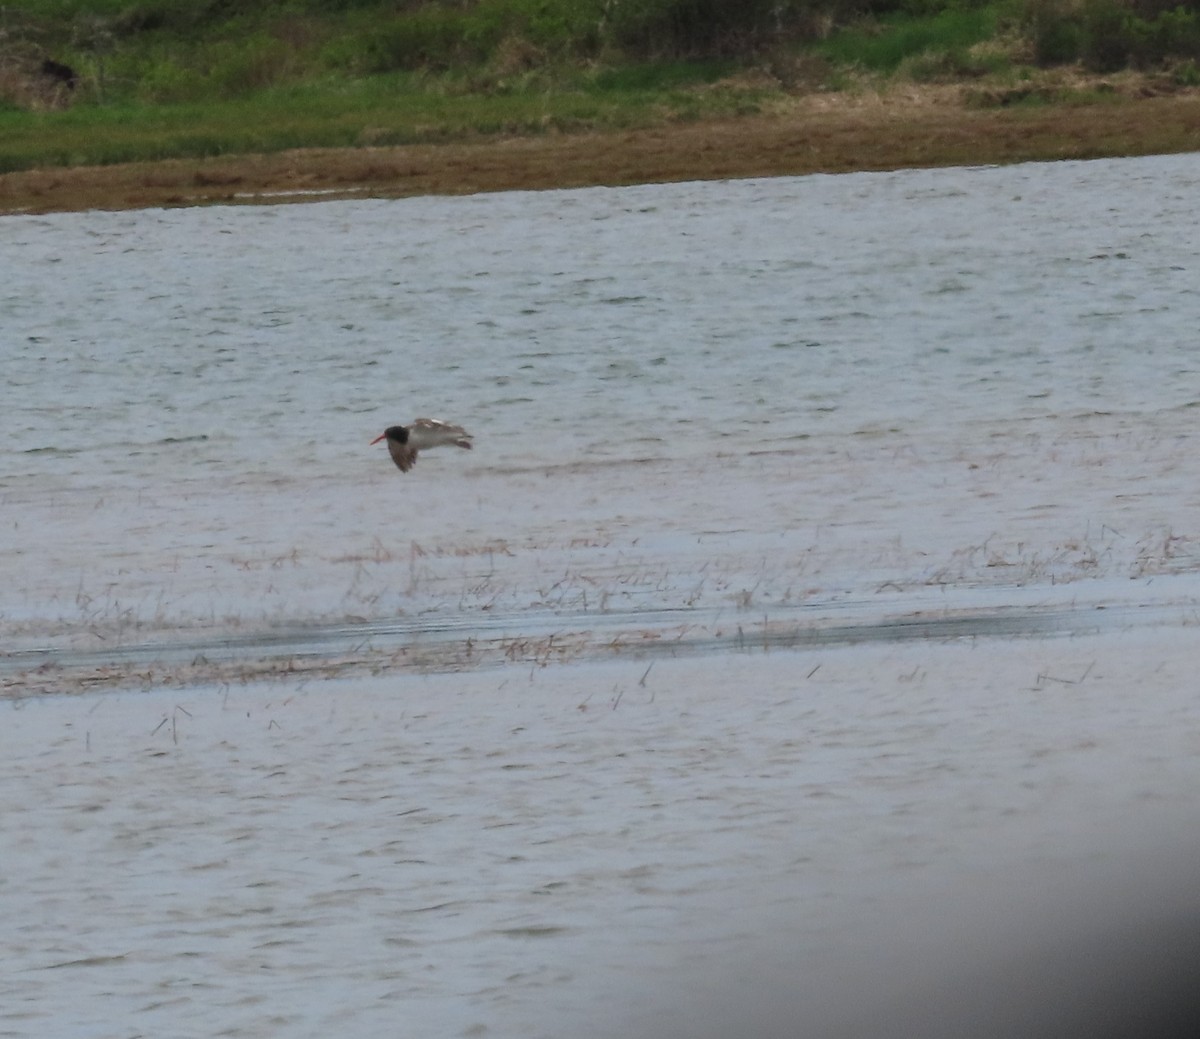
pixel 765 843
pixel 746 396
pixel 833 442
pixel 602 324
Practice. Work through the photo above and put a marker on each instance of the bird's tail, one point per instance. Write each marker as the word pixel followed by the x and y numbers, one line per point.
pixel 463 443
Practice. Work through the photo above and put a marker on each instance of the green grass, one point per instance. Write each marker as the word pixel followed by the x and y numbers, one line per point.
pixel 377 111
pixel 193 78
pixel 884 45
pixel 666 75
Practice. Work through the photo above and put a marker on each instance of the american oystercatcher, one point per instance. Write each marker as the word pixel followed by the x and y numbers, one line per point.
pixel 405 441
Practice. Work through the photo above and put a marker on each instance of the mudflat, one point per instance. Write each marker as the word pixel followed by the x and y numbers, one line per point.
pixel 815 134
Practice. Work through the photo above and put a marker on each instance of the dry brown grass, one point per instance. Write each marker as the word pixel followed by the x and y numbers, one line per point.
pixel 906 127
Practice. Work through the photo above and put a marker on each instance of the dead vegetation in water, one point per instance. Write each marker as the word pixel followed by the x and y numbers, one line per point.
pixel 1092 554
pixel 468 653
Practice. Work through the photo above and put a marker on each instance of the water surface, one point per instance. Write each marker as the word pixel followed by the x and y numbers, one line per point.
pixel 746 396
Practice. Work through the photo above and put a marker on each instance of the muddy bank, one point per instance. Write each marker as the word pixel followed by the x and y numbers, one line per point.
pixel 820 134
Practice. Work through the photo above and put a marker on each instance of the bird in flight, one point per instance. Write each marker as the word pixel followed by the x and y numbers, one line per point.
pixel 405 441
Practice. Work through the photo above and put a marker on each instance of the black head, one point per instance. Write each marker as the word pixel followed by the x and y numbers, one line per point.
pixel 397 433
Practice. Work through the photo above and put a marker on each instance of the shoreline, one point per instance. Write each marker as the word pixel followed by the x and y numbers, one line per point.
pixel 815 134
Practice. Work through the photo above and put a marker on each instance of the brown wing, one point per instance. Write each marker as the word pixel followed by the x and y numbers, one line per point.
pixel 435 425
pixel 404 456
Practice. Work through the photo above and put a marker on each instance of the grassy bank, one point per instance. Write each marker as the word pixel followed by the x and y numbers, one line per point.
pixel 108 82
pixel 377 112
pixel 824 135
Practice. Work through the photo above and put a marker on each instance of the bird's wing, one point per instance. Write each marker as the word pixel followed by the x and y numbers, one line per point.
pixel 403 455
pixel 436 425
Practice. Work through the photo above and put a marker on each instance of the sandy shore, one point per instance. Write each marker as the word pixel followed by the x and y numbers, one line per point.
pixel 815 134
